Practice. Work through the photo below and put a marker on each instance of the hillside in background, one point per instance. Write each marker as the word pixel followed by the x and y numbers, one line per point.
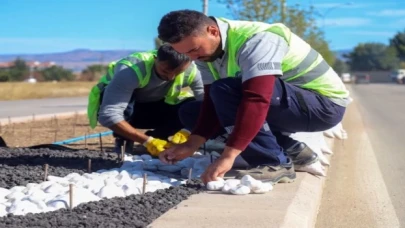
pixel 75 60
pixel 79 59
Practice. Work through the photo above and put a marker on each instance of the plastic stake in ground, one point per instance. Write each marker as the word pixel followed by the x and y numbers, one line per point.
pixel 46 172
pixel 144 183
pixel 56 122
pixel 70 196
pixel 89 166
pixel 55 136
pixel 122 152
pixel 189 174
pixel 74 125
pixel 85 141
pixel 101 142
pixel 30 133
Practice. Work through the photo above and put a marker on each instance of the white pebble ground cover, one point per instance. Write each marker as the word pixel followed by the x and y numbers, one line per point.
pixel 53 194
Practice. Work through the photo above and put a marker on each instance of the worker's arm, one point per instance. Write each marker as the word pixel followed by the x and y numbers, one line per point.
pixel 197 85
pixel 208 123
pixel 115 100
pixel 260 62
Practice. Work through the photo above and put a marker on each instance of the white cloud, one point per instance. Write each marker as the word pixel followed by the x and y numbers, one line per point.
pixel 345 22
pixel 339 5
pixel 388 13
pixel 372 33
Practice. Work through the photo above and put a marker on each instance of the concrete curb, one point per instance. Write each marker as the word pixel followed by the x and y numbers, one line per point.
pixel 288 205
pixel 24 119
pixel 303 211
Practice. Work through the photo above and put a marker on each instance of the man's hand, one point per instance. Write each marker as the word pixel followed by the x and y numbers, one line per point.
pixel 217 169
pixel 180 136
pixel 176 152
pixel 156 146
pixel 181 151
pixel 222 165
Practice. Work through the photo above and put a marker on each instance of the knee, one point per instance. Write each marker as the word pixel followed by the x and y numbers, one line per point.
pixel 224 86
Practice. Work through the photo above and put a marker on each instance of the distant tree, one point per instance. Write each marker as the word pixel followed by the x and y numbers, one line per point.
pixel 301 21
pixel 4 76
pixel 372 56
pixel 57 73
pixel 19 70
pixel 398 42
pixel 158 43
pixel 94 72
pixel 341 67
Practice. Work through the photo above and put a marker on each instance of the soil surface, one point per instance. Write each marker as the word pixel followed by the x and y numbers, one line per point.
pixel 20 166
pixel 56 129
pixel 132 211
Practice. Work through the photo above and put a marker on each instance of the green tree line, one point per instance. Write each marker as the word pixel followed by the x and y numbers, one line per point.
pixel 19 71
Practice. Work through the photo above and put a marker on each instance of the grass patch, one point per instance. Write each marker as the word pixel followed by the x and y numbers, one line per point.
pixel 23 90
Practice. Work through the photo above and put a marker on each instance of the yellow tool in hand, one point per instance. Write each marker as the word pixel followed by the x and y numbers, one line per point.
pixel 156 146
pixel 180 137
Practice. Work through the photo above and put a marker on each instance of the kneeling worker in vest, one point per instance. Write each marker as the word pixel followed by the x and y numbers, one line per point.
pixel 262 83
pixel 146 93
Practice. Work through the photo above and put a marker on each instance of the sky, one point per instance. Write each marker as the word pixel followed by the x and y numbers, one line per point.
pixel 49 26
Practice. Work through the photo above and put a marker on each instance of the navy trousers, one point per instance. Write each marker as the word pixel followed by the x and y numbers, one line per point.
pixel 292 109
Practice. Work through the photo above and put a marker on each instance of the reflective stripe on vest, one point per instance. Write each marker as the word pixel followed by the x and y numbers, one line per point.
pixel 294 75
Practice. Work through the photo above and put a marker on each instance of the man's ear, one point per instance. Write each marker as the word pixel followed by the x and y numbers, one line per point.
pixel 213 30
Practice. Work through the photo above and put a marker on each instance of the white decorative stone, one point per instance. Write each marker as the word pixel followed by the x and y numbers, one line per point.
pixel 240 190
pixel 230 184
pixel 262 188
pixel 111 191
pixel 216 185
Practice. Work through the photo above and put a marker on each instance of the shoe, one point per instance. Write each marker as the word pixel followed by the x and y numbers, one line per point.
pixel 275 174
pixel 301 155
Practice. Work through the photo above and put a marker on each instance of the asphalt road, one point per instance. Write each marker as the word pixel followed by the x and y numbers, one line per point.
pixel 365 186
pixel 41 106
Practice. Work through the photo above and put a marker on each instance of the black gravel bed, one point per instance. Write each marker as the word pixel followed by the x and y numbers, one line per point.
pixel 134 211
pixel 20 166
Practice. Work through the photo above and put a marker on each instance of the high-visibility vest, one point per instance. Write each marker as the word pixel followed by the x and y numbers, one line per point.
pixel 302 66
pixel 174 96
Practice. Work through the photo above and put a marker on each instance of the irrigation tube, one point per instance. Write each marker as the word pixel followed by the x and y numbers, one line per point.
pixel 71 140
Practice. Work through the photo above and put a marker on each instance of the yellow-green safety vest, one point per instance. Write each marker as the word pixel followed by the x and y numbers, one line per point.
pixel 302 66
pixel 174 96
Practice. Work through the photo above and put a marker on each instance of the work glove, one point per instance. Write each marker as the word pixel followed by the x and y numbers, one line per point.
pixel 180 137
pixel 156 146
